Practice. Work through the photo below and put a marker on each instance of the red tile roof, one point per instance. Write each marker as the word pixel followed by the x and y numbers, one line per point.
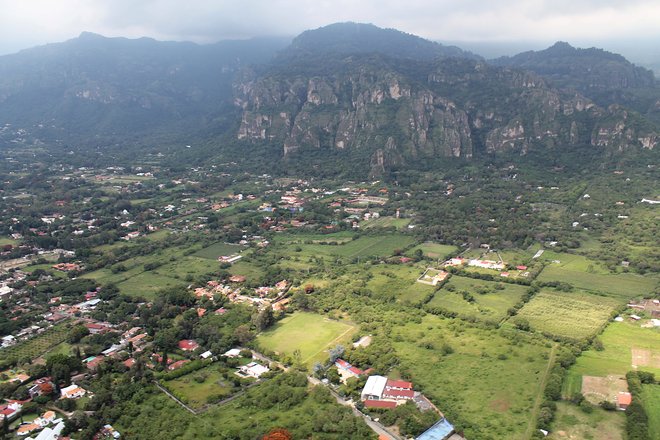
pixel 342 363
pixel 188 345
pixel 379 404
pixel 624 398
pixel 398 394
pixel 399 384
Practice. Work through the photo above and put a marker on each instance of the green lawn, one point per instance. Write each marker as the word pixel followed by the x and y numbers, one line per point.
pixel 435 250
pixel 7 240
pixel 147 284
pixel 492 305
pixel 573 315
pixel 195 388
pixel 618 339
pixel 624 286
pixel 219 249
pixel 576 424
pixel 488 383
pixel 573 262
pixel 310 333
pixel 651 399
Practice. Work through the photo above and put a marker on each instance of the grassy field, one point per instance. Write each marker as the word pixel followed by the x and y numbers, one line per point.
pixel 435 250
pixel 576 424
pixel 310 333
pixel 573 262
pixel 624 286
pixel 386 222
pixel 398 282
pixel 38 345
pixel 492 305
pixel 618 339
pixel 490 382
pixel 7 240
pixel 651 399
pixel 569 314
pixel 219 249
pixel 377 245
pixel 195 388
pixel 339 237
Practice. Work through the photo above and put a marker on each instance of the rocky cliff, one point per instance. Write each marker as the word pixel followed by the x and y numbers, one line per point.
pixel 397 111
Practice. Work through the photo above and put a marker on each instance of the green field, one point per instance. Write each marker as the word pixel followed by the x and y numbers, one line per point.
pixel 624 286
pixel 434 250
pixel 576 424
pixel 619 338
pixel 386 222
pixel 573 315
pixel 573 262
pixel 366 246
pixel 488 384
pixel 7 240
pixel 310 333
pixel 219 249
pixel 651 399
pixel 339 237
pixel 195 388
pixel 398 281
pixel 492 305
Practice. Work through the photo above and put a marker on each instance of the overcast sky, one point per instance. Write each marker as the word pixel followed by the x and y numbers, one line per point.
pixel 26 23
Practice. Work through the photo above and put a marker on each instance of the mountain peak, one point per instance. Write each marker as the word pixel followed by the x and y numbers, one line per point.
pixel 351 38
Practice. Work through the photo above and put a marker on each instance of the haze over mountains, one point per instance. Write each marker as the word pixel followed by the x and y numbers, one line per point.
pixel 386 97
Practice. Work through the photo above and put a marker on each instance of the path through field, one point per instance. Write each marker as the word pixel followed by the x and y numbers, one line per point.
pixel 539 397
pixel 328 345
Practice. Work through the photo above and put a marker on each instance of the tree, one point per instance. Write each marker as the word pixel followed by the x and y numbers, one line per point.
pixel 263 319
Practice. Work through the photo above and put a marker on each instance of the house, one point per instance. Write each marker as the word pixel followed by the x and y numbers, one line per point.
pixel 128 363
pixel 27 428
pixel 233 353
pixel 41 387
pixel 97 328
pixel 486 264
pixel 623 400
pixel 253 369
pixel 107 432
pixel 10 410
pixel 93 362
pixel 346 370
pixel 73 391
pixel 178 364
pixel 46 418
pixel 383 389
pixel 207 354
pixel 188 345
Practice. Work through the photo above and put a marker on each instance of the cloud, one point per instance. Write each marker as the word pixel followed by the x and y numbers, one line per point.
pixel 26 23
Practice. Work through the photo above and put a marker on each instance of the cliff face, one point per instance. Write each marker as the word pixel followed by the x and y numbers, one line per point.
pixel 452 108
pixel 365 108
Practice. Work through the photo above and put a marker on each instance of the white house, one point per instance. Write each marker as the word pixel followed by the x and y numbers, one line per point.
pixel 253 369
pixel 233 353
pixel 73 391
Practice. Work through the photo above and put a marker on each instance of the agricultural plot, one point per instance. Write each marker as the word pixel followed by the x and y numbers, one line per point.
pixel 624 286
pixel 573 262
pixel 574 315
pixel 386 222
pixel 36 346
pixel 147 284
pixel 379 246
pixel 312 334
pixel 620 340
pixel 219 249
pixel 491 300
pixel 485 381
pixel 7 240
pixel 435 250
pixel 573 423
pixel 339 237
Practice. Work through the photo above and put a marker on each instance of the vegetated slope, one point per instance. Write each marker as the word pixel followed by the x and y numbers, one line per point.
pixel 92 87
pixel 605 77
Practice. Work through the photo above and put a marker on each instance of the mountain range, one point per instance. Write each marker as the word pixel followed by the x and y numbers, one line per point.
pixel 384 97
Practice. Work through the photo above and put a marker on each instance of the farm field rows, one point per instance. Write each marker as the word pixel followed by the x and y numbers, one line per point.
pixel 573 315
pixel 624 286
pixel 492 305
pixel 497 380
pixel 36 346
pixel 310 333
